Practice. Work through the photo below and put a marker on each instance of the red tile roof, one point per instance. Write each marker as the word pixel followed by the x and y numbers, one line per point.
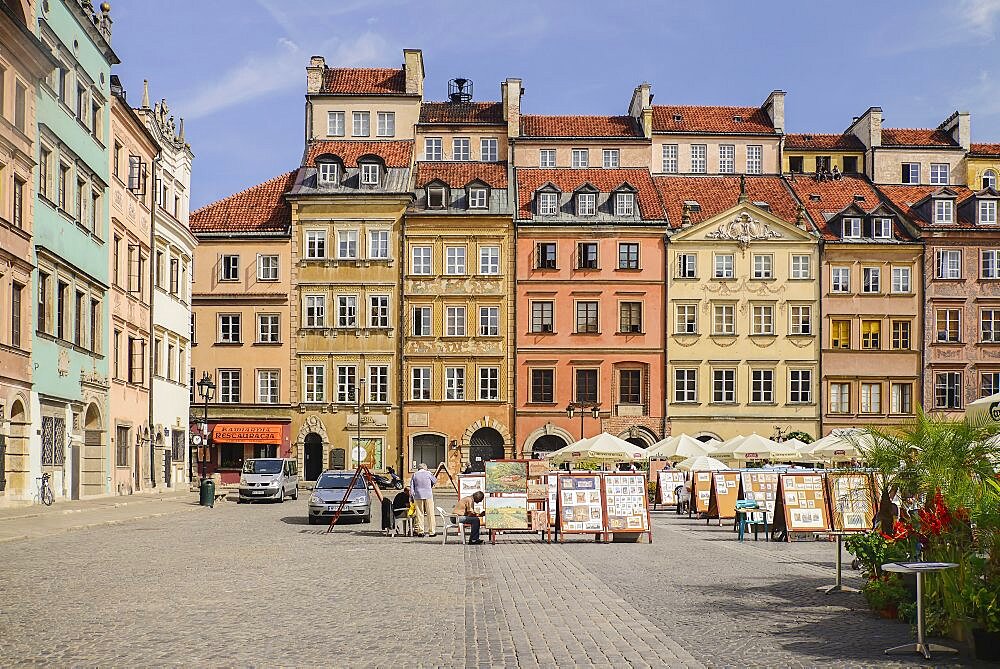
pixel 579 126
pixel 462 113
pixel 916 137
pixel 985 149
pixel 904 197
pixel 457 174
pixel 605 180
pixel 823 142
pixel 364 81
pixel 711 120
pixel 717 194
pixel 395 153
pixel 260 208
pixel 835 196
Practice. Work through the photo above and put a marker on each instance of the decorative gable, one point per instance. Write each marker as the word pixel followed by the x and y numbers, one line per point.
pixel 745 225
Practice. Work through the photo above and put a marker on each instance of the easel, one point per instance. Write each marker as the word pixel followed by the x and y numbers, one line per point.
pixel 366 475
pixel 451 479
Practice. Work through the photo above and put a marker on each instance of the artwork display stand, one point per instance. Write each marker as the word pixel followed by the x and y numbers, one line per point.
pixel 722 500
pixel 364 475
pixel 576 494
pixel 626 505
pixel 506 487
pixel 666 482
pixel 701 491
pixel 800 505
pixel 441 469
pixel 838 586
pixel 761 486
pixel 852 501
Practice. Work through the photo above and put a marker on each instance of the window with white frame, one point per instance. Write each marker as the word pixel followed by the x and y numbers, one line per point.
pixel 548 204
pixel 948 390
pixel 882 228
pixel 762 386
pixel 755 159
pixel 851 227
pixel 489 321
pixel 901 398
pixel 489 260
pixel 545 255
pixel 670 158
pixel 229 386
pixel 871 279
pixel 546 157
pixel 800 386
pixel 267 328
pixel 724 266
pixel 432 148
pixel 948 264
pixel 763 266
pixel 378 244
pixel 901 279
pixel 369 173
pixel 987 212
pixel 586 204
pixel 581 158
pixel 329 173
pixel 378 311
pixel 420 383
pixel 763 319
pixel 948 324
pixel 362 124
pixel 990 179
pixel 378 384
pixel 612 158
pixel 315 244
pixel 489 384
pixel 727 158
pixel 840 398
pixel 347 244
pixel 454 260
pixel 871 398
pixel 454 321
pixel 267 268
pixel 347 383
pixel 386 124
pixel 335 124
pixel 989 384
pixel 229 329
pixel 801 267
pixel 488 149
pixel 724 386
pixel 477 198
pixel 911 173
pixel 421 324
pixel 436 197
pixel 989 325
pixel 454 383
pixel 267 386
pixel 314 389
pixel 687 266
pixel 347 311
pixel 628 255
pixel 699 163
pixel 420 260
pixel 724 319
pixel 685 385
pixel 541 316
pixel 944 211
pixel 230 268
pixel 801 323
pixel 939 174
pixel 315 310
pixel 686 319
pixel 624 204
pixel 840 279
pixel 990 264
pixel 460 149
pixel 587 317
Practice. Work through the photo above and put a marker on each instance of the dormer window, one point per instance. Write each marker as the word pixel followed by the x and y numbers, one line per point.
pixel 882 228
pixel 369 174
pixel 329 174
pixel 548 204
pixel 852 228
pixel 436 197
pixel 990 179
pixel 586 204
pixel 987 212
pixel 625 204
pixel 477 197
pixel 944 211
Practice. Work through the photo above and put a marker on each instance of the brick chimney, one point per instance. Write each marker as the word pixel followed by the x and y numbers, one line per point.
pixel 413 68
pixel 314 74
pixel 959 126
pixel 868 127
pixel 510 96
pixel 774 107
pixel 641 108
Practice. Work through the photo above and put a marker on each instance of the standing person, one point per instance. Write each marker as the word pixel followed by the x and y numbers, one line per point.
pixel 466 513
pixel 423 497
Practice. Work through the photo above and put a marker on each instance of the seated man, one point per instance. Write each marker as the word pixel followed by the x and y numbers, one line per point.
pixel 465 512
pixel 401 504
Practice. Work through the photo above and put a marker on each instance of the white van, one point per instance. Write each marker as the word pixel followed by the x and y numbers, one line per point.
pixel 269 478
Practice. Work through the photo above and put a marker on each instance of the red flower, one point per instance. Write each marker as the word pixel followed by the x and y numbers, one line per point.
pixel 900 532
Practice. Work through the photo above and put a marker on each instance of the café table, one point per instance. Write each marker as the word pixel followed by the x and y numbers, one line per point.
pixel 921 647
pixel 838 586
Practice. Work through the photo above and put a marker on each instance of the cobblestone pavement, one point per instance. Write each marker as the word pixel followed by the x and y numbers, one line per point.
pixel 253 585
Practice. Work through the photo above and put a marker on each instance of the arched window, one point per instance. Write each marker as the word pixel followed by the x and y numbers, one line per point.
pixel 990 179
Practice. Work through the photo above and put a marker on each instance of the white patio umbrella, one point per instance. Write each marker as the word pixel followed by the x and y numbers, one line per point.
pixel 604 447
pixel 843 447
pixel 798 445
pixel 702 463
pixel 756 447
pixel 680 446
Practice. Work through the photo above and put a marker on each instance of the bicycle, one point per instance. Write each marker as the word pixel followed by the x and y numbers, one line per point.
pixel 45 494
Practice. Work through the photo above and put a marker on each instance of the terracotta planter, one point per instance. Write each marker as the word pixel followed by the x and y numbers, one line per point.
pixel 889 613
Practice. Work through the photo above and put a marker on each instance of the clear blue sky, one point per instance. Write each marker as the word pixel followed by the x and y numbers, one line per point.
pixel 235 68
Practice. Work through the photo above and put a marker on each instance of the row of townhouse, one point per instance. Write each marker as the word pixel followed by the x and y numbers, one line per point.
pixel 455 281
pixel 95 262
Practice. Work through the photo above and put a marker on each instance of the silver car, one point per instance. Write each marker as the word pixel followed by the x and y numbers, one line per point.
pixel 269 478
pixel 329 493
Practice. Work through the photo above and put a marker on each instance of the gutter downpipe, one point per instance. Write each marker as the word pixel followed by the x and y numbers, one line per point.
pixel 152 335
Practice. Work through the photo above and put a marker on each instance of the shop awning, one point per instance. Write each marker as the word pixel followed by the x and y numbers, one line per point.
pixel 246 433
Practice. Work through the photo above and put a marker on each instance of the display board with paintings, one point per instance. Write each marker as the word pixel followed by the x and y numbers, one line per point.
pixel 761 486
pixel 852 501
pixel 626 501
pixel 581 504
pixel 506 496
pixel 724 492
pixel 469 484
pixel 666 485
pixel 701 491
pixel 801 503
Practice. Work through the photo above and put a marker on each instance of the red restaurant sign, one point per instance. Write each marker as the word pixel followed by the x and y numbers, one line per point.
pixel 249 433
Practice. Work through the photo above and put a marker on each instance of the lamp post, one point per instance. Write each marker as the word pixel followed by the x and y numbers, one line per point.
pixel 360 392
pixel 581 408
pixel 206 391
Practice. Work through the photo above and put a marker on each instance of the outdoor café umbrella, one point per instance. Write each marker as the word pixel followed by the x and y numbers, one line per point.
pixel 756 447
pixel 843 447
pixel 682 446
pixel 701 463
pixel 604 447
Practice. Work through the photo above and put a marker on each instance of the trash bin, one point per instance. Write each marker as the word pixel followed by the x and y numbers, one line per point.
pixel 207 492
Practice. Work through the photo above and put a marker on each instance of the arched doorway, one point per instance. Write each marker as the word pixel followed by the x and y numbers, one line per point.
pixel 485 444
pixel 314 456
pixel 88 467
pixel 638 441
pixel 707 437
pixel 429 449
pixel 546 444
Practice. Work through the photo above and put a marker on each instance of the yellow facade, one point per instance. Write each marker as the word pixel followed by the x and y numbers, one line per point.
pixel 831 158
pixel 714 362
pixel 982 170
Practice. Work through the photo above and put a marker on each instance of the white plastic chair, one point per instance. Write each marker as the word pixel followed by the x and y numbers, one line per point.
pixel 450 521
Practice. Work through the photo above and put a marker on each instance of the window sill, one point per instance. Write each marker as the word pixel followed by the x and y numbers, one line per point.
pixel 588 269
pixel 764 279
pixel 947 343
pixel 267 343
pixel 762 404
pixel 540 404
pixel 632 270
pixel 689 403
pixel 763 335
pixel 692 335
pixel 547 333
pixel 632 334
pixel 685 278
pixel 723 278
pixel 586 334
pixel 229 343
pixel 724 404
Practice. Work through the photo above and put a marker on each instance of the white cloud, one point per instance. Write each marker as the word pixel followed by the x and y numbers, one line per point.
pixel 980 15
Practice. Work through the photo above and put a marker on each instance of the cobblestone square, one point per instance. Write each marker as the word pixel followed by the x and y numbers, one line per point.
pixel 254 585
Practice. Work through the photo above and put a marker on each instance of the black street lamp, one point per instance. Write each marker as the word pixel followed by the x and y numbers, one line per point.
pixel 360 391
pixel 206 391
pixel 581 408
